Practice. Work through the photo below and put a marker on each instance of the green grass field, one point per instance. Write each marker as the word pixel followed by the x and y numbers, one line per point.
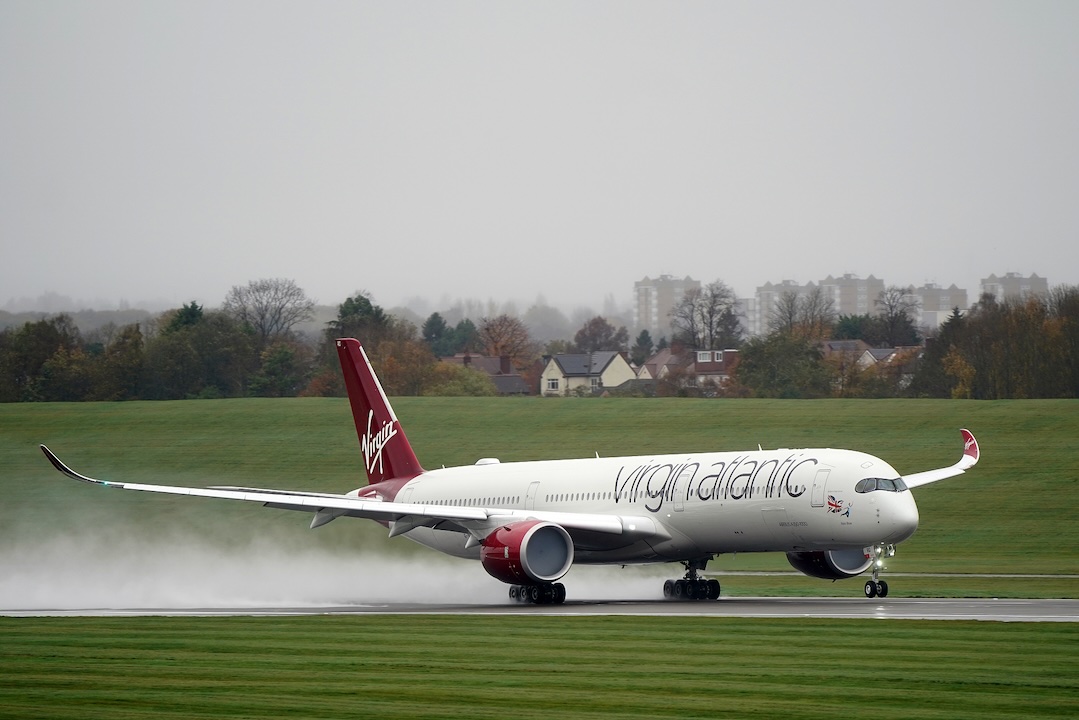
pixel 1012 514
pixel 606 667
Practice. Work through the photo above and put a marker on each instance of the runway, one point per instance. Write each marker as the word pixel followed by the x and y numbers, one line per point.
pixel 990 609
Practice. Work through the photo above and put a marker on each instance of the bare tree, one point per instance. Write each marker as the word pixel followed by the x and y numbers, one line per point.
pixel 809 316
pixel 271 307
pixel 706 318
pixel 504 335
pixel 897 308
pixel 784 314
pixel 816 315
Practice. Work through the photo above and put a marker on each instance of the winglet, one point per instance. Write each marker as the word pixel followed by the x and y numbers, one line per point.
pixel 59 465
pixel 970 450
pixel 969 459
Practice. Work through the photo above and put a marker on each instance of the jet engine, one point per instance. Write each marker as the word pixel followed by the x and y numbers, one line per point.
pixel 527 552
pixel 830 564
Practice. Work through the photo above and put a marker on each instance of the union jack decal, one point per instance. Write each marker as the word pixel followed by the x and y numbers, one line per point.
pixel 838 506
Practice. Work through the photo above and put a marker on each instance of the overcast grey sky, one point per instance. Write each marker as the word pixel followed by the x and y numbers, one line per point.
pixel 165 151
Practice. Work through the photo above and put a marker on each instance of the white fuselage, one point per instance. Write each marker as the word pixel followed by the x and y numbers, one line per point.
pixel 707 504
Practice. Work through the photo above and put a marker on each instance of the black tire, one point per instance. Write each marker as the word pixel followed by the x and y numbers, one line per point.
pixel 870 589
pixel 535 595
pixel 713 589
pixel 559 593
pixel 668 589
pixel 882 589
pixel 691 590
pixel 679 589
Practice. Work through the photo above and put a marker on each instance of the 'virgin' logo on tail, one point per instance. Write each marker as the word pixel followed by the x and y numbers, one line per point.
pixel 371 445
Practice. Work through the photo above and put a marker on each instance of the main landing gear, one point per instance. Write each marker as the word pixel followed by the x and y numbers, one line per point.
pixel 547 594
pixel 692 586
pixel 877 587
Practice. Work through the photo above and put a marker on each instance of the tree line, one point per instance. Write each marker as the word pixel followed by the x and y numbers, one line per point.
pixel 251 347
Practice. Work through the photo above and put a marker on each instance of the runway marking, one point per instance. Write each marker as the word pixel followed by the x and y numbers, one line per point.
pixel 1010 610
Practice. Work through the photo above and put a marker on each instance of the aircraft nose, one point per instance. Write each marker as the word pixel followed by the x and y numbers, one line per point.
pixel 904 514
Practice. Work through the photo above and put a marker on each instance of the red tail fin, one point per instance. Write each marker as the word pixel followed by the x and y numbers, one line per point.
pixel 387 454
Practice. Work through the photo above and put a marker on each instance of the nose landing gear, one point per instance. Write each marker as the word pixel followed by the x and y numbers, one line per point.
pixel 877 587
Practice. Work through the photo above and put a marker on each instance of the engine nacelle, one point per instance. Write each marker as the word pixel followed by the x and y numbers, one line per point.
pixel 830 564
pixel 527 552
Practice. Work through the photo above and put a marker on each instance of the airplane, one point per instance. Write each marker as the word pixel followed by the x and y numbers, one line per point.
pixel 835 513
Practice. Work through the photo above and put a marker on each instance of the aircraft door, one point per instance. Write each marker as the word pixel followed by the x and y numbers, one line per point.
pixel 820 480
pixel 679 490
pixel 530 496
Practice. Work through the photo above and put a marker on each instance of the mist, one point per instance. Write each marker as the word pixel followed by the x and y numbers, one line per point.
pixel 76 571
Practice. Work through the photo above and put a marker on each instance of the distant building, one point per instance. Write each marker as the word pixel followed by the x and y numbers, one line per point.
pixel 768 296
pixel 584 372
pixel 748 310
pixel 852 295
pixel 1015 287
pixel 696 367
pixel 936 303
pixel 654 300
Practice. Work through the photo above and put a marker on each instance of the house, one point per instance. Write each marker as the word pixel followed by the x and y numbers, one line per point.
pixel 506 380
pixel 695 366
pixel 715 365
pixel 584 373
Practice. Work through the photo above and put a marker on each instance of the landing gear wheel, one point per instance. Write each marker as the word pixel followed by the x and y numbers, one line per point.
pixel 559 593
pixel 713 589
pixel 692 586
pixel 870 589
pixel 882 589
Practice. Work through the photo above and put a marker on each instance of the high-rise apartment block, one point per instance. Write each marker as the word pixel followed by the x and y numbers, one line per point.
pixel 935 304
pixel 654 300
pixel 1015 286
pixel 853 295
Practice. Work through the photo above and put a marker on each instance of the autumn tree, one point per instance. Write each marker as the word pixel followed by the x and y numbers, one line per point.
pixel 24 352
pixel 453 380
pixel 598 334
pixel 283 370
pixel 504 335
pixel 781 365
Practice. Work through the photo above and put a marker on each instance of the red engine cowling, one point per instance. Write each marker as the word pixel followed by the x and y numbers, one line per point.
pixel 830 564
pixel 527 552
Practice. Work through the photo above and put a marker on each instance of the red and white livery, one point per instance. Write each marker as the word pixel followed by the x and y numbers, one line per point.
pixel 835 513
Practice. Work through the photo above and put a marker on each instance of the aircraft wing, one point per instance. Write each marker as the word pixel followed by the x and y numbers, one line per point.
pixel 968 460
pixel 401 516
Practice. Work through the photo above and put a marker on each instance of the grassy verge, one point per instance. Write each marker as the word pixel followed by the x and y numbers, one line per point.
pixel 452 667
pixel 1011 514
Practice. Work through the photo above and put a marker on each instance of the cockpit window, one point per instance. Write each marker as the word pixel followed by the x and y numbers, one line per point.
pixel 866 485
